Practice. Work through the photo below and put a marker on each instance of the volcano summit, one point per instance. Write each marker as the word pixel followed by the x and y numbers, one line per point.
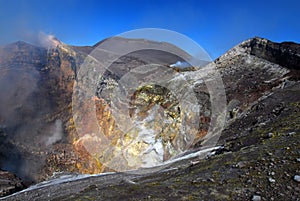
pixel 45 139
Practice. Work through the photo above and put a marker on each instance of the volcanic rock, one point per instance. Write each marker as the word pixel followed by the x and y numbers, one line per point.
pixel 261 80
pixel 9 183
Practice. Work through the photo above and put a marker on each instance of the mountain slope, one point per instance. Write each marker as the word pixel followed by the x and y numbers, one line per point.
pixel 259 152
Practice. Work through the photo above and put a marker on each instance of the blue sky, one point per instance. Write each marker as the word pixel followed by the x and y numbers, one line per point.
pixel 215 25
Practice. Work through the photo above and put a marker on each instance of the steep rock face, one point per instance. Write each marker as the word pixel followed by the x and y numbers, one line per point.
pixel 286 54
pixel 35 112
pixel 252 70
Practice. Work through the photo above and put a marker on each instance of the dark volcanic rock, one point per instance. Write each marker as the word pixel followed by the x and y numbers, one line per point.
pixel 286 54
pixel 9 183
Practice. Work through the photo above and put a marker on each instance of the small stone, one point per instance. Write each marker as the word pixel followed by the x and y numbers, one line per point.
pixel 271 180
pixel 269 135
pixel 256 198
pixel 298 159
pixel 194 163
pixel 241 164
pixel 297 178
pixel 211 180
pixel 291 133
pixel 262 124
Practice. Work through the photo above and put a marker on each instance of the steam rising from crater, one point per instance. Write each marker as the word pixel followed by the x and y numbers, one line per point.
pixel 48 41
pixel 24 106
pixel 57 133
pixel 181 64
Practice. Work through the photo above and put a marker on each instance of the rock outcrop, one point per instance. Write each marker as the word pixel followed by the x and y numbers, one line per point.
pixel 9 183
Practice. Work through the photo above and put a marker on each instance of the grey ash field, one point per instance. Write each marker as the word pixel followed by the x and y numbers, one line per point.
pixel 259 154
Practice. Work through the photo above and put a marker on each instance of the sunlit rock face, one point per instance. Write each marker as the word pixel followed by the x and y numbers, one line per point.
pixel 157 113
pixel 148 123
pixel 161 129
pixel 155 135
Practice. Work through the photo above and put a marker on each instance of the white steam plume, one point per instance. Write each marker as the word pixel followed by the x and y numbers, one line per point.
pixel 57 133
pixel 181 64
pixel 47 41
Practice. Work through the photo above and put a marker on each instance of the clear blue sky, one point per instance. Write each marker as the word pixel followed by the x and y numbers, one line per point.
pixel 215 25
